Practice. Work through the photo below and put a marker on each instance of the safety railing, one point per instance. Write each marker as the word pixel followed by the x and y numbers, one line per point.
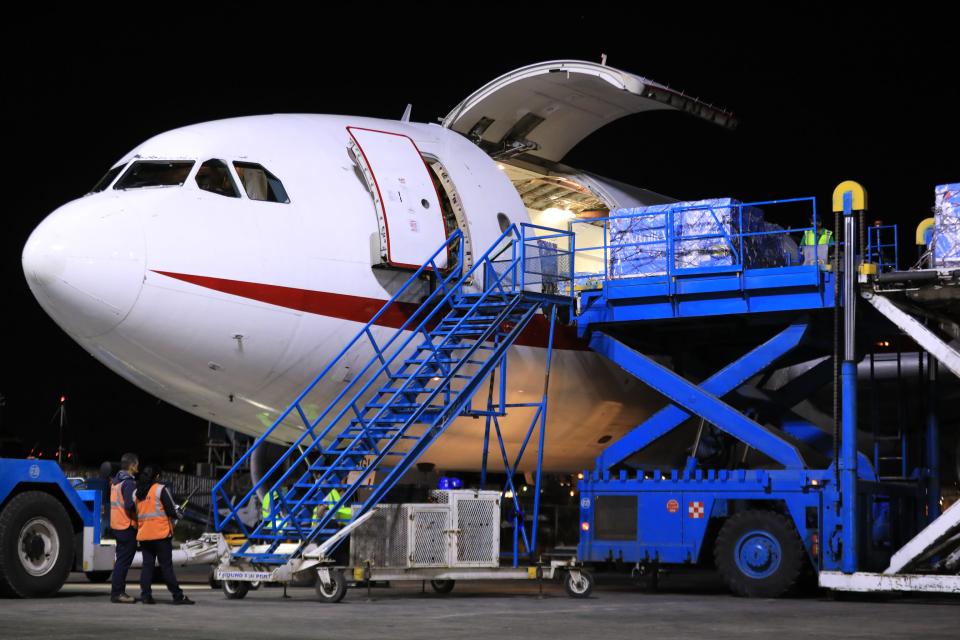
pixel 315 415
pixel 698 239
pixel 883 248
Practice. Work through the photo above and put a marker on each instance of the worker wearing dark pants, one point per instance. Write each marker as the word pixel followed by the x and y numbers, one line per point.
pixel 123 521
pixel 155 515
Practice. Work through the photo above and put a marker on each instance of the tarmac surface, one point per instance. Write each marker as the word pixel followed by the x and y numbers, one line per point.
pixel 684 607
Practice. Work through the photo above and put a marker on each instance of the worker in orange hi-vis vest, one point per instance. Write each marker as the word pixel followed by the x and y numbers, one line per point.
pixel 123 521
pixel 156 513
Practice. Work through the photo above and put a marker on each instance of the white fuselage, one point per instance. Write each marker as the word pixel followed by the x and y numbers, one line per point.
pixel 226 307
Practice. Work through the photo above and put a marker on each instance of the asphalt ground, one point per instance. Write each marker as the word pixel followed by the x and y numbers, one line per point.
pixel 685 606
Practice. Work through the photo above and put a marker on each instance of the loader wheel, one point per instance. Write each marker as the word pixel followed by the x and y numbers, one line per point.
pixel 759 554
pixel 36 546
pixel 580 585
pixel 442 586
pixel 235 589
pixel 334 591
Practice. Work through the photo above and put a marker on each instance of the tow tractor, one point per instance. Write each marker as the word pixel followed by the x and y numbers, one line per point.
pixel 51 525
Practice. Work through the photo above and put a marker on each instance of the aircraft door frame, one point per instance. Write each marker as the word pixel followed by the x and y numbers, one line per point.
pixel 409 213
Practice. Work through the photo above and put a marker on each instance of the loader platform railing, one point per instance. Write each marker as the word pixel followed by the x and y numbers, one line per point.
pixel 685 240
pixel 417 361
pixel 687 260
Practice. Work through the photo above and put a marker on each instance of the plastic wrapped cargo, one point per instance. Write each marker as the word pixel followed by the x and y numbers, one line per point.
pixel 705 234
pixel 946 218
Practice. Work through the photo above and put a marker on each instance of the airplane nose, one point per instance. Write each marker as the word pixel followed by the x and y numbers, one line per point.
pixel 86 266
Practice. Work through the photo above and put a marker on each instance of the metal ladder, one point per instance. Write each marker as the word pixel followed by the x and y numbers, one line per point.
pixel 413 382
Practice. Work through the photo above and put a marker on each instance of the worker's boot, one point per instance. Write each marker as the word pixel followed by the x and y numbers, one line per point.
pixel 123 599
pixel 183 600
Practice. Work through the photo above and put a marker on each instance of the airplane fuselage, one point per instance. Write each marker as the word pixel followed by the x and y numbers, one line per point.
pixel 227 306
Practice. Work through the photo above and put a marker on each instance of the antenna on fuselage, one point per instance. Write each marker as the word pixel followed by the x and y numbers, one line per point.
pixel 406 113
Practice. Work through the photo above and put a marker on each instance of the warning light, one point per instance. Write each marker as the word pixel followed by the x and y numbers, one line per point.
pixel 580 476
pixel 572 493
pixel 815 545
pixel 585 526
pixel 63 399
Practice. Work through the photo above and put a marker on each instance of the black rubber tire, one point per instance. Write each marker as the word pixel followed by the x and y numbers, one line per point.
pixel 792 554
pixel 337 589
pixel 213 582
pixel 442 586
pixel 15 580
pixel 581 588
pixel 98 576
pixel 235 589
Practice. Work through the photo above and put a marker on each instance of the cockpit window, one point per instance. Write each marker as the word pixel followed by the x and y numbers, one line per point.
pixel 107 178
pixel 260 184
pixel 214 176
pixel 155 173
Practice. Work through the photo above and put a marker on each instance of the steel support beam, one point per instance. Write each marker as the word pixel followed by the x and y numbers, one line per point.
pixel 698 401
pixel 943 352
pixel 719 384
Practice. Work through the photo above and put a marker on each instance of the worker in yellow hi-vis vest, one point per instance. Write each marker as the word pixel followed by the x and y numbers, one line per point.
pixel 816 244
pixel 342 516
pixel 266 506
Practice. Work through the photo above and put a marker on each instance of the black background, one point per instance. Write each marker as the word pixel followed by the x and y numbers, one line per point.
pixel 822 94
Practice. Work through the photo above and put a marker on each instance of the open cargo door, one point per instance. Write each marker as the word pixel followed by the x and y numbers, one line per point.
pixel 545 109
pixel 408 207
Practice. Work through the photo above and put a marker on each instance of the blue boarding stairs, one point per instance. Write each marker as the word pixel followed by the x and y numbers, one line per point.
pixel 398 385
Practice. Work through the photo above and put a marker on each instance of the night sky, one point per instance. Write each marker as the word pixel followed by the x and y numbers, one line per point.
pixel 821 95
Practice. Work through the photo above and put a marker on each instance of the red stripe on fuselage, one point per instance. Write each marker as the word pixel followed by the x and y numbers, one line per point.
pixel 361 309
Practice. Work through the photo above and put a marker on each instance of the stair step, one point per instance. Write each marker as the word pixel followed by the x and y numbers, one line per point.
pixel 373 423
pixel 444 361
pixel 397 405
pixel 385 436
pixel 325 485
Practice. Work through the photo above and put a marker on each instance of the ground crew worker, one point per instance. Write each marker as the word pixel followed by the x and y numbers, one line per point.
pixel 266 506
pixel 341 518
pixel 123 521
pixel 818 242
pixel 343 515
pixel 156 512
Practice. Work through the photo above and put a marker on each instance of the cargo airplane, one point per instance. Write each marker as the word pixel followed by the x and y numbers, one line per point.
pixel 220 266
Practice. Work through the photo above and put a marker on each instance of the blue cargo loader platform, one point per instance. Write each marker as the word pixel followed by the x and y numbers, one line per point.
pixel 736 470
